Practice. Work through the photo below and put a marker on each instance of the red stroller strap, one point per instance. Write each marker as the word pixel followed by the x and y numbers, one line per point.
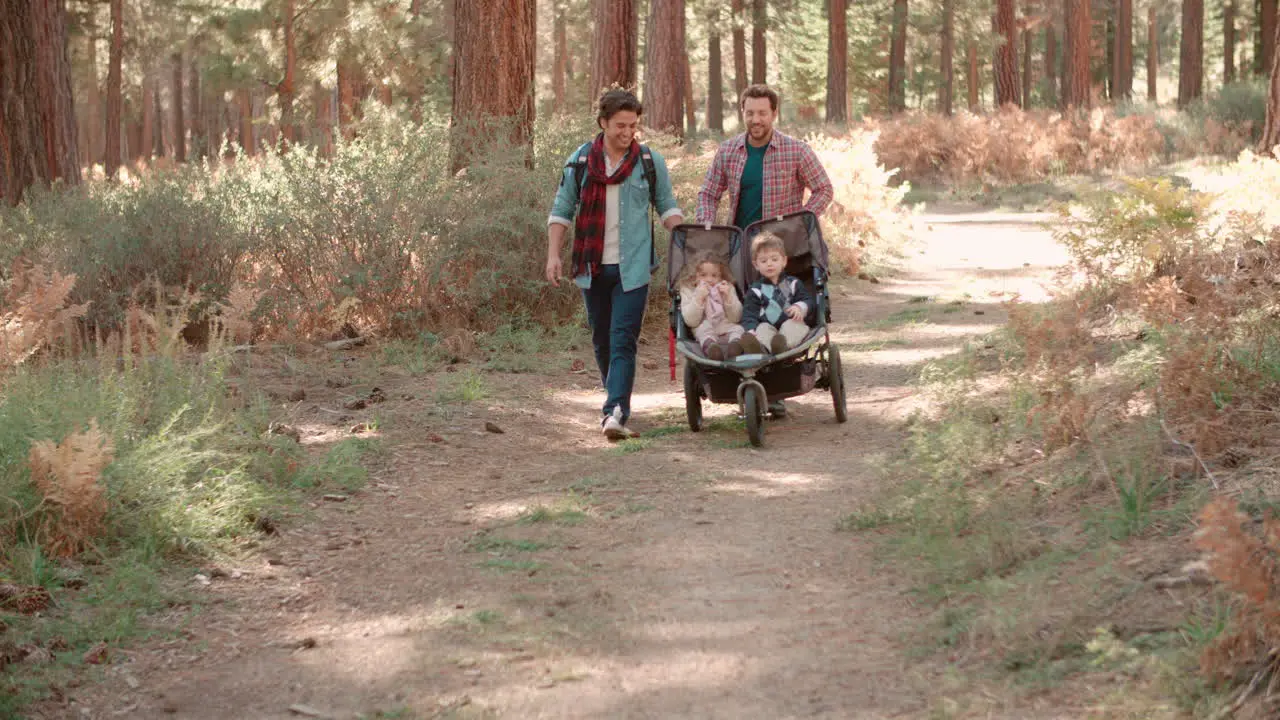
pixel 671 352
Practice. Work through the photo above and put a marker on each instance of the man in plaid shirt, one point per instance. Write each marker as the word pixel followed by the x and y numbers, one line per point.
pixel 764 170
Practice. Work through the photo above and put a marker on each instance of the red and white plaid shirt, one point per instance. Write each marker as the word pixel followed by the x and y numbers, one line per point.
pixel 790 166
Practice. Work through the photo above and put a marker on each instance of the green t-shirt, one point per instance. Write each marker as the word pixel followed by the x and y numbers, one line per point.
pixel 751 196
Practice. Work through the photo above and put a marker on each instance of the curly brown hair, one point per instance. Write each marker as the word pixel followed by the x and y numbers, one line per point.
pixel 689 278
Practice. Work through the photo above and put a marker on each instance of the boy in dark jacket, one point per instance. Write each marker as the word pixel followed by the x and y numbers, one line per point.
pixel 776 304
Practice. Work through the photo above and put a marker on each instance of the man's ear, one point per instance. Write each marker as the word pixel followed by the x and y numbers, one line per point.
pixel 600 123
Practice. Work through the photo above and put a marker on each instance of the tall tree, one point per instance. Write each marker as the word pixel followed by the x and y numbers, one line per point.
pixel 1191 53
pixel 1005 23
pixel 613 49
pixel 690 106
pixel 837 62
pixel 947 86
pixel 1076 84
pixel 759 26
pixel 195 106
pixel 560 65
pixel 1153 53
pixel 494 58
pixel 179 120
pixel 739 53
pixel 664 65
pixel 1271 130
pixel 1267 29
pixel 1027 74
pixel 898 58
pixel 287 89
pixel 1051 62
pixel 94 125
pixel 148 142
pixel 971 77
pixel 37 113
pixel 1122 52
pixel 715 71
pixel 115 94
pixel 1229 41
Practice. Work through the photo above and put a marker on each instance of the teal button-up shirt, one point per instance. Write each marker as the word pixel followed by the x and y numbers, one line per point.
pixel 636 258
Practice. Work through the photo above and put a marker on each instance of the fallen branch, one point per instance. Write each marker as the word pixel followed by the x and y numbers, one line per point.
pixel 1208 473
pixel 1248 691
pixel 344 344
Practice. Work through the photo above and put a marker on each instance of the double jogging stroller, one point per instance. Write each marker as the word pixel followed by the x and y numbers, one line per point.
pixel 753 381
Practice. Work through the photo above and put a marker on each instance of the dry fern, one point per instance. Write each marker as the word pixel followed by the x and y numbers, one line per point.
pixel 36 314
pixel 68 477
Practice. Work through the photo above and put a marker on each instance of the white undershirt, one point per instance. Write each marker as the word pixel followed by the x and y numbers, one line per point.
pixel 611 255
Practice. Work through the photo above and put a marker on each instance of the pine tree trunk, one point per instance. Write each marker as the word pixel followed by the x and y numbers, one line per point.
pixel 1229 41
pixel 971 77
pixel 614 50
pixel 195 106
pixel 715 72
pixel 838 62
pixel 1153 54
pixel 690 106
pixel 1026 69
pixel 1267 26
pixel 663 75
pixel 493 101
pixel 115 96
pixel 1051 64
pixel 1271 130
pixel 94 134
pixel 346 97
pixel 559 66
pixel 739 53
pixel 160 124
pixel 148 140
pixel 947 88
pixel 244 103
pixel 179 119
pixel 38 136
pixel 287 88
pixel 1191 53
pixel 1122 52
pixel 1006 60
pixel 323 99
pixel 759 26
pixel 898 58
pixel 1076 83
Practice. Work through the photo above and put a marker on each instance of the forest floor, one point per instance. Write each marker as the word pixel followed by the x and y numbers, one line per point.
pixel 542 572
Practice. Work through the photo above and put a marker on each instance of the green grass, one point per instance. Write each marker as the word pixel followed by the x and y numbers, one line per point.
pixel 524 347
pixel 343 465
pixel 503 564
pixel 461 388
pixel 495 544
pixel 910 316
pixel 664 431
pixel 631 445
pixel 566 513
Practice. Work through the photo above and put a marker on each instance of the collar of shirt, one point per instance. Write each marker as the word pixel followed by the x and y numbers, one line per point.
pixel 774 141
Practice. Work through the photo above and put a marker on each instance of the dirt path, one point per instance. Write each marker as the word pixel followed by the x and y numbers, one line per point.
pixel 541 573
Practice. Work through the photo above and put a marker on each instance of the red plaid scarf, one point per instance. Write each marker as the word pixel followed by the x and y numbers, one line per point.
pixel 588 235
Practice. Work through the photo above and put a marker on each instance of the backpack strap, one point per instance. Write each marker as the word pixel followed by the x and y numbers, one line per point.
pixel 650 170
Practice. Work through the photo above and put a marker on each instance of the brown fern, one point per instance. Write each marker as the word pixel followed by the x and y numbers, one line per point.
pixel 68 477
pixel 35 313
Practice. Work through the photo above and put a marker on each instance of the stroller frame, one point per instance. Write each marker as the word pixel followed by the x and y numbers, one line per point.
pixel 752 381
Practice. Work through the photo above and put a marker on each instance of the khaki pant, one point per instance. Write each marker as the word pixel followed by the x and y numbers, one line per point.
pixel 793 330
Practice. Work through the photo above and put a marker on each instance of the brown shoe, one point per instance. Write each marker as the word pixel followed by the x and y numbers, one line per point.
pixel 778 344
pixel 715 352
pixel 733 351
pixel 751 345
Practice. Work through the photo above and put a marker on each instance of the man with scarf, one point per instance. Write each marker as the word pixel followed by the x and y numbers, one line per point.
pixel 605 195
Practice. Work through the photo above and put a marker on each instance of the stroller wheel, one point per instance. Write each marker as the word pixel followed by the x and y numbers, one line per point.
pixel 754 407
pixel 692 396
pixel 835 381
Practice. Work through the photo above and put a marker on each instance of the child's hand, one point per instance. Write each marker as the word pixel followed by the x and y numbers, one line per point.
pixel 700 293
pixel 795 313
pixel 725 289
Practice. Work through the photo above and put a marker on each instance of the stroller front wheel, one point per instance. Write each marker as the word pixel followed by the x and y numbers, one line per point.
pixel 692 396
pixel 754 407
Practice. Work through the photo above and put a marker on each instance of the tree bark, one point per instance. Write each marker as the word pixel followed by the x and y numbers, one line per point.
pixel 838 62
pixel 971 77
pixel 739 53
pixel 38 136
pixel 1076 83
pixel 1267 25
pixel 947 88
pixel 323 99
pixel 1051 63
pixel 115 95
pixel 1229 41
pixel 759 26
pixel 160 124
pixel 1026 68
pixel 1122 52
pixel 1153 53
pixel 148 141
pixel 559 66
pixel 1191 53
pixel 179 119
pixel 493 99
pixel 287 88
pixel 244 103
pixel 715 72
pixel 94 134
pixel 614 53
pixel 663 75
pixel 898 58
pixel 346 97
pixel 1271 130
pixel 690 107
pixel 1005 23
pixel 195 108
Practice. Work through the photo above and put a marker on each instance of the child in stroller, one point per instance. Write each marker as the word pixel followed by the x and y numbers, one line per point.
pixel 777 303
pixel 711 308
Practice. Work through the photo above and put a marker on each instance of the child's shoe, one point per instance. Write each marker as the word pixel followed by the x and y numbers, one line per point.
pixel 733 351
pixel 715 352
pixel 751 344
pixel 778 344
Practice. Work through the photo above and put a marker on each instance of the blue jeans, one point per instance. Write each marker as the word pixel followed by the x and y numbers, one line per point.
pixel 615 318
